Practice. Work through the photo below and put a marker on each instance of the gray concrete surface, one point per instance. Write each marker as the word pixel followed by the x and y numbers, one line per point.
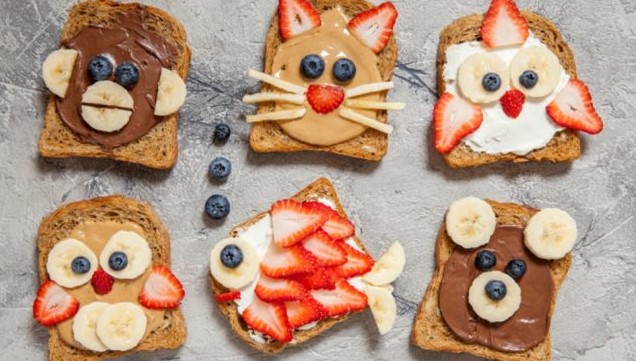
pixel 402 198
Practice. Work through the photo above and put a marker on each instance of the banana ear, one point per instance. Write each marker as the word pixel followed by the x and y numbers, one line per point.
pixel 375 26
pixel 58 69
pixel 550 234
pixel 296 17
pixel 171 93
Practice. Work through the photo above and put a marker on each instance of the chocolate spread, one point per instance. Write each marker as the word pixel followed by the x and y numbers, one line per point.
pixel 528 326
pixel 129 40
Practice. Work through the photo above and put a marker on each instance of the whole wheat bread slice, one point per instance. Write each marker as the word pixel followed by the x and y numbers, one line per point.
pixel 58 225
pixel 267 137
pixel 156 149
pixel 565 145
pixel 321 188
pixel 430 331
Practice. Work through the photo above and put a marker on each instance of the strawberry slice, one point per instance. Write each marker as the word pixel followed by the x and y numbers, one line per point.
pixel 229 296
pixel 303 312
pixel 326 250
pixel 268 318
pixel 287 262
pixel 325 98
pixel 320 278
pixel 281 290
pixel 504 25
pixel 337 227
pixel 454 119
pixel 295 17
pixel 53 305
pixel 342 300
pixel 374 26
pixel 293 221
pixel 162 289
pixel 358 263
pixel 572 108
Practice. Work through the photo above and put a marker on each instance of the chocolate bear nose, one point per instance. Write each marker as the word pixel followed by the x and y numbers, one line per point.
pixel 496 290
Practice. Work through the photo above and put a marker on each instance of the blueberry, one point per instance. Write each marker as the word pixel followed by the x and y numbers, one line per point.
pixel 222 132
pixel 100 68
pixel 217 207
pixel 127 75
pixel 231 256
pixel 485 260
pixel 529 79
pixel 118 261
pixel 312 66
pixel 491 82
pixel 344 70
pixel 220 167
pixel 80 265
pixel 516 268
pixel 496 290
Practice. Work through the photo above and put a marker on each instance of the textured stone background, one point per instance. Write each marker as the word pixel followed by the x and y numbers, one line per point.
pixel 402 198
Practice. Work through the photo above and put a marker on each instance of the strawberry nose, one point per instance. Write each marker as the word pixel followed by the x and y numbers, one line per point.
pixel 324 99
pixel 102 282
pixel 512 103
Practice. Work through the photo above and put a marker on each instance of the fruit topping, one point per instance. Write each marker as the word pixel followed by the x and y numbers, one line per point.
pixel 536 71
pixel 162 289
pixel 312 66
pixel 550 234
pixel 58 69
pixel 231 256
pixel 504 25
pixel 279 290
pixel 53 305
pixel 328 252
pixel 80 265
pixel 220 168
pixel 494 296
pixel 483 78
pixel 491 82
pixel 344 70
pixel 388 267
pixel 121 326
pixel 383 307
pixel 71 263
pixel 358 263
pixel 454 119
pixel 320 278
pixel 268 318
pixel 118 261
pixel 243 273
pixel 470 222
pixel 293 221
pixel 512 103
pixel 337 227
pixel 572 108
pixel 138 255
pixel 529 79
pixel 303 312
pixel 341 300
pixel 296 17
pixel 287 262
pixel 222 132
pixel 229 296
pixel 485 260
pixel 100 68
pixel 516 268
pixel 217 207
pixel 496 290
pixel 324 99
pixel 102 282
pixel 374 26
pixel 127 75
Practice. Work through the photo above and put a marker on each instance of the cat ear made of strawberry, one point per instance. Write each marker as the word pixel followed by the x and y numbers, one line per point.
pixel 296 17
pixel 573 108
pixel 374 26
pixel 504 25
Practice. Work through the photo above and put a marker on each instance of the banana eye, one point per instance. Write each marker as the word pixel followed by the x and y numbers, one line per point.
pixel 126 255
pixel 535 71
pixel 483 78
pixel 71 263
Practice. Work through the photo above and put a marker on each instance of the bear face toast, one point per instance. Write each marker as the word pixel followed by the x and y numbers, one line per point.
pixel 508 91
pixel 328 66
pixel 499 268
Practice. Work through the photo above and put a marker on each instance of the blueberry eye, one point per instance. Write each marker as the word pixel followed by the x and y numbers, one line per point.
pixel 529 79
pixel 496 290
pixel 100 68
pixel 485 260
pixel 491 82
pixel 516 268
pixel 118 261
pixel 127 75
pixel 344 70
pixel 80 265
pixel 312 66
pixel 231 256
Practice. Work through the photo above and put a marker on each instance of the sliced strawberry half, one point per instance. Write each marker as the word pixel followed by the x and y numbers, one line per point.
pixel 303 312
pixel 374 26
pixel 293 221
pixel 161 290
pixel 287 262
pixel 268 318
pixel 572 108
pixel 295 17
pixel 327 251
pixel 320 278
pixel 358 263
pixel 324 99
pixel 229 296
pixel 279 290
pixel 53 305
pixel 337 227
pixel 342 300
pixel 504 25
pixel 453 119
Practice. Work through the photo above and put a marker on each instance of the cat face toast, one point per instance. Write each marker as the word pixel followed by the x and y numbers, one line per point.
pixel 508 91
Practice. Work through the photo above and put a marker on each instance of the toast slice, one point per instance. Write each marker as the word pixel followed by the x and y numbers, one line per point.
pixel 321 188
pixel 430 331
pixel 565 145
pixel 158 148
pixel 267 137
pixel 59 224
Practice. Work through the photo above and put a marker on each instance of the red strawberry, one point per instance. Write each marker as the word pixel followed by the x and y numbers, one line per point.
pixel 292 221
pixel 573 108
pixel 358 263
pixel 281 290
pixel 229 296
pixel 453 119
pixel 326 250
pixel 504 25
pixel 268 318
pixel 320 278
pixel 162 289
pixel 53 305
pixel 512 103
pixel 342 300
pixel 295 17
pixel 325 98
pixel 102 282
pixel 374 26
pixel 303 312
pixel 337 227
pixel 287 262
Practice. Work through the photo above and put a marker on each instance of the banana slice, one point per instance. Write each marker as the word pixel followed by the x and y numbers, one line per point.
pixel 58 69
pixel 121 326
pixel 105 119
pixel 471 74
pixel 171 93
pixel 84 324
pixel 489 309
pixel 60 259
pixel 136 249
pixel 388 267
pixel 382 306
pixel 550 234
pixel 470 222
pixel 108 93
pixel 234 277
pixel 544 63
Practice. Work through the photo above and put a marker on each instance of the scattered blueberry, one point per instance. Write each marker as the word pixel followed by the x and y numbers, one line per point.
pixel 220 167
pixel 217 207
pixel 80 265
pixel 516 268
pixel 491 82
pixel 100 68
pixel 529 79
pixel 222 132
pixel 312 66
pixel 485 260
pixel 127 75
pixel 496 290
pixel 118 261
pixel 344 70
pixel 231 256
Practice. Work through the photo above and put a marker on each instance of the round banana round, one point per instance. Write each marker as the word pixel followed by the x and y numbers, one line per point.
pixel 105 119
pixel 488 309
pixel 84 324
pixel 121 326
pixel 382 306
pixel 171 93
pixel 60 258
pixel 234 277
pixel 388 267
pixel 471 74
pixel 470 222
pixel 58 69
pixel 108 93
pixel 543 62
pixel 550 234
pixel 136 249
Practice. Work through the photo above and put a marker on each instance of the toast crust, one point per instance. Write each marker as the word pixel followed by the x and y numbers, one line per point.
pixel 565 146
pixel 430 331
pixel 59 224
pixel 156 149
pixel 267 137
